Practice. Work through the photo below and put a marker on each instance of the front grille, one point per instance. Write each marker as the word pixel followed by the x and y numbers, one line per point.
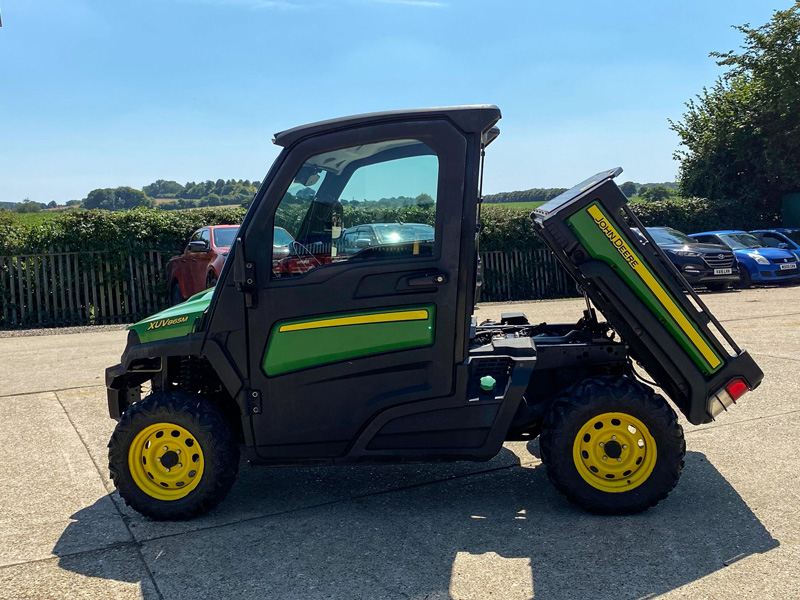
pixel 786 273
pixel 715 262
pixel 779 261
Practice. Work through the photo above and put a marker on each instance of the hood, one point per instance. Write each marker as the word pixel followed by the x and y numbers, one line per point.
pixel 698 247
pixel 175 321
pixel 771 253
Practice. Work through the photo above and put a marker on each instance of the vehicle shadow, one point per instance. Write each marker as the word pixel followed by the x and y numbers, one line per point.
pixel 504 533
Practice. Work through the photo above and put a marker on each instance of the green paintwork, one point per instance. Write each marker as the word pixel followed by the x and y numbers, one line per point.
pixel 293 350
pixel 598 245
pixel 175 321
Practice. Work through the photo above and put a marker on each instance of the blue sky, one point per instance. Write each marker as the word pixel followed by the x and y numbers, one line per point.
pixel 124 92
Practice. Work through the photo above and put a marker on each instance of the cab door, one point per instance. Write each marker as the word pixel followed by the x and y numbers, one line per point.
pixel 369 329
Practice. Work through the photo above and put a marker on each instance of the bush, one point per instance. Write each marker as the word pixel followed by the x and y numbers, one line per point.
pixel 121 230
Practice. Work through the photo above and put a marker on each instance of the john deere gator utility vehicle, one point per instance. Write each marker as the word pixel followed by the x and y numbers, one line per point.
pixel 373 356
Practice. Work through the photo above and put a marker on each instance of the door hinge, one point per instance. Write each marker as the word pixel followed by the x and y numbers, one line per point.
pixel 253 402
pixel 244 276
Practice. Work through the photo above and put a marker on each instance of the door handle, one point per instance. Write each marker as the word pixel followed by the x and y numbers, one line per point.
pixel 427 280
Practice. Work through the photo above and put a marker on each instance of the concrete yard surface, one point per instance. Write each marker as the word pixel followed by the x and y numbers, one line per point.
pixel 494 530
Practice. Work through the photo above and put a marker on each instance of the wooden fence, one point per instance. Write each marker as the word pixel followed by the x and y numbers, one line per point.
pixel 63 287
pixel 524 275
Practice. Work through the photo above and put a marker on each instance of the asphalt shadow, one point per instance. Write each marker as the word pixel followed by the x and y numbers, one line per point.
pixel 450 539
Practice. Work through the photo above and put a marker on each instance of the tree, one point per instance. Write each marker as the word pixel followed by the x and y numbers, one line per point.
pixel 424 200
pixel 742 136
pixel 121 198
pixel 162 188
pixel 28 206
pixel 74 202
pixel 656 193
pixel 52 204
pixel 628 188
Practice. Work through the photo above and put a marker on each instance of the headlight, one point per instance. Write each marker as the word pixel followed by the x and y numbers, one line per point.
pixel 684 253
pixel 759 259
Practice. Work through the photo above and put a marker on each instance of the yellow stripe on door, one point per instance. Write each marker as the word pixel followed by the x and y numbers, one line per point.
pixel 390 317
pixel 636 264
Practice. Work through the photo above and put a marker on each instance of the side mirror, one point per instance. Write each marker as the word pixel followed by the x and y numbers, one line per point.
pixel 198 246
pixel 783 246
pixel 362 243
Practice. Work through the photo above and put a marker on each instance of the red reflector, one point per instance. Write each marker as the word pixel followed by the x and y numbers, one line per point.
pixel 737 388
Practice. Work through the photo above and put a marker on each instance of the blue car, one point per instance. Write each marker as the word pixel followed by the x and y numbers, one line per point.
pixel 788 239
pixel 758 263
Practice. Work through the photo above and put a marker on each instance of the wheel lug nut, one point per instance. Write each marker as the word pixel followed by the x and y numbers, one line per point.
pixel 180 465
pixel 602 444
pixel 618 460
pixel 158 460
pixel 605 458
pixel 165 448
pixel 613 437
pixel 167 469
pixel 178 451
pixel 624 446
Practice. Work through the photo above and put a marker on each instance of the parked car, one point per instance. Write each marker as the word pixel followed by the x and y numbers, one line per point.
pixel 355 239
pixel 758 263
pixel 711 265
pixel 788 239
pixel 199 266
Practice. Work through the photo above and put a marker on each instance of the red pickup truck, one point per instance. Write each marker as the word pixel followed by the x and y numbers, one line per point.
pixel 199 266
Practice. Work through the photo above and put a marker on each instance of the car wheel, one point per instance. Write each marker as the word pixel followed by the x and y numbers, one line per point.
pixel 746 281
pixel 175 296
pixel 718 287
pixel 211 279
pixel 173 456
pixel 612 446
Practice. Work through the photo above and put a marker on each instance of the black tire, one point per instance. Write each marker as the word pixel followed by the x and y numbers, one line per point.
pixel 209 429
pixel 175 296
pixel 746 281
pixel 593 399
pixel 211 280
pixel 718 287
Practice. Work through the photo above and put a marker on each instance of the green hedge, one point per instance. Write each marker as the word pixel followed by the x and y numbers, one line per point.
pixel 503 228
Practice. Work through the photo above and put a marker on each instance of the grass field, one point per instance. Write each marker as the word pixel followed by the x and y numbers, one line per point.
pixel 34 218
pixel 518 205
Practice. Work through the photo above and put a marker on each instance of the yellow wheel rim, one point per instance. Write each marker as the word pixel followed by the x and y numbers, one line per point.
pixel 165 461
pixel 614 452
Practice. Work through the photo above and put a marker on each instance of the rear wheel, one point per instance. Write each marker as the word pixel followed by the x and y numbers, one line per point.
pixel 173 456
pixel 612 446
pixel 211 279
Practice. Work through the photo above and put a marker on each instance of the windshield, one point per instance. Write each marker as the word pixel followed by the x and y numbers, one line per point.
pixel 281 237
pixel 397 233
pixel 793 234
pixel 224 237
pixel 667 235
pixel 741 241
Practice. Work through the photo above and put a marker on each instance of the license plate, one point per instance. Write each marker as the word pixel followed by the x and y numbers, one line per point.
pixel 787 266
pixel 723 271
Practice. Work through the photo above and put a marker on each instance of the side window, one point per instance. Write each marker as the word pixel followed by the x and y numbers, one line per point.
pixel 205 235
pixel 771 240
pixel 370 202
pixel 195 238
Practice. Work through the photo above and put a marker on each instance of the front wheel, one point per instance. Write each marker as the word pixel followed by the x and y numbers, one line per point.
pixel 746 281
pixel 612 446
pixel 211 280
pixel 173 456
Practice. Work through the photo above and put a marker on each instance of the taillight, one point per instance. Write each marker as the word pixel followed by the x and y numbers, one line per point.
pixel 733 390
pixel 737 388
